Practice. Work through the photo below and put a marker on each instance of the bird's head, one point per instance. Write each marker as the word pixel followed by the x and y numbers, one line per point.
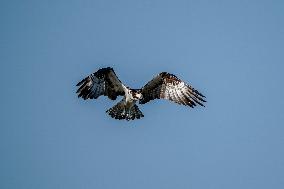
pixel 136 94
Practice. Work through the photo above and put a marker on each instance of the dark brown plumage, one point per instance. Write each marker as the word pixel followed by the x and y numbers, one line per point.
pixel 103 82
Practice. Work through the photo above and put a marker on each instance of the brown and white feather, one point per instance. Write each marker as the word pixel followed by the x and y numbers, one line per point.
pixel 168 86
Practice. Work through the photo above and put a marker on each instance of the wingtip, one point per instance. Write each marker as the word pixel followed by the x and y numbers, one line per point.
pixel 80 82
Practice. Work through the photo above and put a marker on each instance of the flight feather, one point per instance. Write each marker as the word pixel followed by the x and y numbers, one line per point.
pixel 168 86
pixel 103 82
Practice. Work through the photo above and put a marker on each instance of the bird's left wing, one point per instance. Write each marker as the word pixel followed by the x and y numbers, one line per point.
pixel 103 82
pixel 168 86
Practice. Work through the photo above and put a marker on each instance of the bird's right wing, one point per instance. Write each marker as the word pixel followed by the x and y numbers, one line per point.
pixel 103 82
pixel 168 86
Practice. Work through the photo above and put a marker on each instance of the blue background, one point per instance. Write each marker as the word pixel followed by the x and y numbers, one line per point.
pixel 232 51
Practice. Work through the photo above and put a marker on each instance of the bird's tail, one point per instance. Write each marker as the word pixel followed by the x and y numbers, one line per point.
pixel 119 111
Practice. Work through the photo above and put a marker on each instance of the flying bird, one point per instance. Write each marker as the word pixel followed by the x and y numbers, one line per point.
pixel 163 86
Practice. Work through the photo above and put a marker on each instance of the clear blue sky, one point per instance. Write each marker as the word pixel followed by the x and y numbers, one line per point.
pixel 232 51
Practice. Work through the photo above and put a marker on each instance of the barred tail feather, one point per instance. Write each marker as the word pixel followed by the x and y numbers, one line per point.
pixel 135 112
pixel 119 111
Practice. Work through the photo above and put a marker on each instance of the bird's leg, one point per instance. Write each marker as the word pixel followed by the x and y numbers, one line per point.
pixel 127 113
pixel 123 112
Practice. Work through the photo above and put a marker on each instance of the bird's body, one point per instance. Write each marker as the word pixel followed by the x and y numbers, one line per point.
pixel 163 86
pixel 128 102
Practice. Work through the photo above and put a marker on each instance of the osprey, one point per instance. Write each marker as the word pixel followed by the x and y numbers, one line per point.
pixel 163 86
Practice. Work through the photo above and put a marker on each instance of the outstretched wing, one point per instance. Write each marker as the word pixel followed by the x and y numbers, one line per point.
pixel 168 86
pixel 103 82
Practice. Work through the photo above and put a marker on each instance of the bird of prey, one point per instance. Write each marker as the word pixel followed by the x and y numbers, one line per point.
pixel 163 86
